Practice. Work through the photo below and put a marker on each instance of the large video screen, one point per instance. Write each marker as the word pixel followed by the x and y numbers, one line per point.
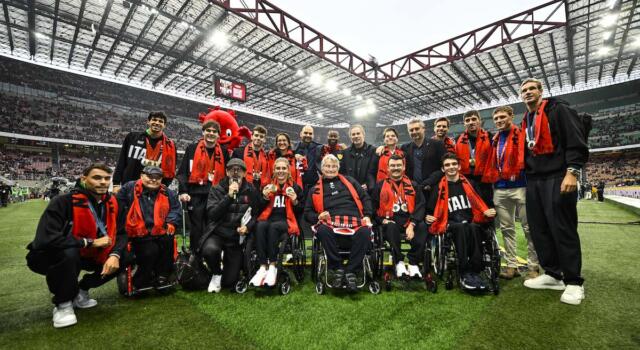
pixel 230 89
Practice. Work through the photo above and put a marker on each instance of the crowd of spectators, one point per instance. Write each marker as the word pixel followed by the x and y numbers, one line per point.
pixel 614 169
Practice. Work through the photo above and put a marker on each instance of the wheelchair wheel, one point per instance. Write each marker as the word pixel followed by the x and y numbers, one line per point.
pixel 374 287
pixel 285 286
pixel 320 288
pixel 241 286
pixel 125 281
pixel 315 256
pixel 299 257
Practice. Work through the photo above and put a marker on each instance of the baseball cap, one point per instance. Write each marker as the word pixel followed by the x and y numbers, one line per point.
pixel 236 162
pixel 152 170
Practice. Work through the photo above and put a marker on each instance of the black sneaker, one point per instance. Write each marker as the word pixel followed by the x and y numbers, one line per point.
pixel 479 282
pixel 335 278
pixel 468 282
pixel 351 281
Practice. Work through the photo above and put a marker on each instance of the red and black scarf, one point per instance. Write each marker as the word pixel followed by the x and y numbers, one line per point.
pixel 392 192
pixel 326 149
pixel 292 223
pixel 482 151
pixel 135 225
pixel 295 168
pixel 167 149
pixel 338 220
pixel 449 143
pixel 383 163
pixel 441 212
pixel 203 165
pixel 259 166
pixel 85 226
pixel 508 162
pixel 542 137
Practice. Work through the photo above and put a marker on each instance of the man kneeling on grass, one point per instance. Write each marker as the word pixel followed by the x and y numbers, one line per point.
pixel 80 230
pixel 458 208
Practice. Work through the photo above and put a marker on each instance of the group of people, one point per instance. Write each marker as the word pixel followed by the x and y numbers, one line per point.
pixel 425 187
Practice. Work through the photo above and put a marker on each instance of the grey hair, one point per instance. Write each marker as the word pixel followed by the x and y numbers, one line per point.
pixel 416 120
pixel 330 158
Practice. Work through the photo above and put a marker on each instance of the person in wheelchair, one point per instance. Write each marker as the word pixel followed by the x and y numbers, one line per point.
pixel 340 207
pixel 278 219
pixel 153 213
pixel 457 207
pixel 232 208
pixel 401 211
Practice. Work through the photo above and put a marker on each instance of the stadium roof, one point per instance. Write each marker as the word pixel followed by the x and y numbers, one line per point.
pixel 293 71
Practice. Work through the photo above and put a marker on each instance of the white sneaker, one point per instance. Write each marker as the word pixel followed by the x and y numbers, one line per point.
pixel 214 285
pixel 272 275
pixel 401 270
pixel 414 271
pixel 573 295
pixel 63 315
pixel 82 300
pixel 544 281
pixel 258 278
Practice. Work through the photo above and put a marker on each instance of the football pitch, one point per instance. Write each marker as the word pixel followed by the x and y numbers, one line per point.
pixel 401 319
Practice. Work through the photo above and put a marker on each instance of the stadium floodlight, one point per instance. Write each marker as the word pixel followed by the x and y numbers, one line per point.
pixel 359 97
pixel 41 36
pixel 637 42
pixel 370 101
pixel 346 92
pixel 300 73
pixel 606 35
pixel 331 85
pixel 184 24
pixel 307 112
pixel 316 79
pixel 604 50
pixel 612 3
pixel 609 20
pixel 319 115
pixel 219 39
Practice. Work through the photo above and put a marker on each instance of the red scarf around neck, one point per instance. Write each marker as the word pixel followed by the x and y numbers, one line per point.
pixel 167 149
pixel 84 225
pixel 389 194
pixel 318 195
pixel 542 137
pixel 203 165
pixel 482 150
pixel 292 223
pixel 295 168
pixel 441 212
pixel 508 163
pixel 259 166
pixel 383 163
pixel 135 225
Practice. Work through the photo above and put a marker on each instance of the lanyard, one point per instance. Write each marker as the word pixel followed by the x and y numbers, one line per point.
pixel 531 125
pixel 102 229
pixel 499 152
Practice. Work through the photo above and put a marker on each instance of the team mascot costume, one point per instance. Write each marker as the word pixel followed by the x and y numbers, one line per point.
pixel 230 133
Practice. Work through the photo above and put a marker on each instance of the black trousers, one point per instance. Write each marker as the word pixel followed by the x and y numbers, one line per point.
pixel 394 233
pixel 197 218
pixel 553 223
pixel 212 250
pixel 467 239
pixel 600 196
pixel 62 268
pixel 154 257
pixel 331 242
pixel 268 237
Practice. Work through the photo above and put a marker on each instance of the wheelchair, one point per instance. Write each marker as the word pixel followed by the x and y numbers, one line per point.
pixel 124 279
pixel 371 266
pixel 441 253
pixel 292 248
pixel 389 274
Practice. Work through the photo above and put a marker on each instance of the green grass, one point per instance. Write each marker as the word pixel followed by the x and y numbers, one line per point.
pixel 413 319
